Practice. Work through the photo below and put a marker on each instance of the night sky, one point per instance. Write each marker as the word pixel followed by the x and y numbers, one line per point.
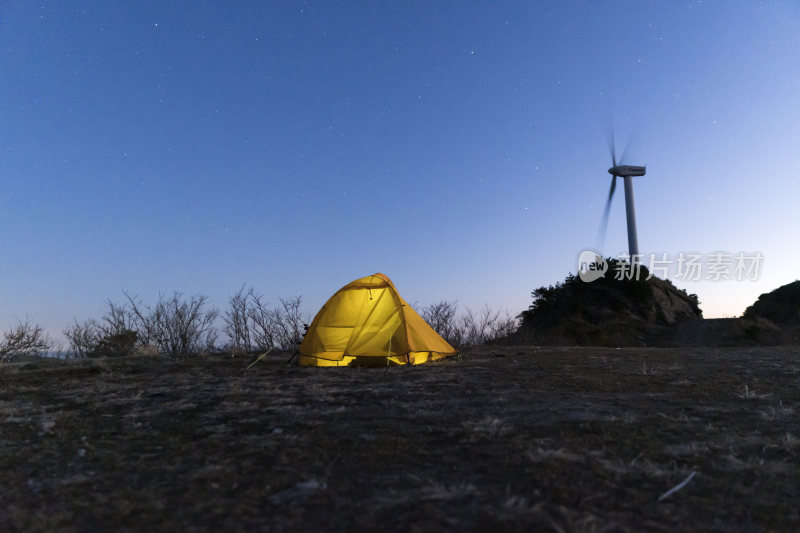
pixel 458 147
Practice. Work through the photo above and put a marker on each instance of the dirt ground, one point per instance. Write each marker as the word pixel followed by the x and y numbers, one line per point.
pixel 505 438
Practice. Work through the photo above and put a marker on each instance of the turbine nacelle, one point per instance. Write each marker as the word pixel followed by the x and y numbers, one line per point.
pixel 627 170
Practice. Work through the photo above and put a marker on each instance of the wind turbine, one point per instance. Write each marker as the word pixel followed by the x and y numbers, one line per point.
pixel 627 173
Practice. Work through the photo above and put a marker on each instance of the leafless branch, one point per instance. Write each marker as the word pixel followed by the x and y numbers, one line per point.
pixel 237 321
pixel 178 326
pixel 83 338
pixel 263 323
pixel 25 338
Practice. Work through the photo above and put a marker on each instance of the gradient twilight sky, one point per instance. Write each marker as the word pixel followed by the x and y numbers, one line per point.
pixel 458 147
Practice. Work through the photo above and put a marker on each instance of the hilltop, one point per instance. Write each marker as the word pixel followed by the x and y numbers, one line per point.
pixel 612 310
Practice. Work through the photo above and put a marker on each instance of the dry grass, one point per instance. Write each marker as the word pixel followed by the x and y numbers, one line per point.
pixel 778 412
pixel 751 394
pixel 557 439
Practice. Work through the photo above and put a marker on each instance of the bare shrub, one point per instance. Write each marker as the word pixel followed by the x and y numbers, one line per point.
pixel 117 319
pixel 484 326
pixel 478 326
pixel 262 321
pixel 505 326
pixel 280 327
pixel 25 338
pixel 441 317
pixel 290 322
pixel 83 338
pixel 177 325
pixel 237 321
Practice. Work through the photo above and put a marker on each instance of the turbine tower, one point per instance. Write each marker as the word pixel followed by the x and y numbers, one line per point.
pixel 627 173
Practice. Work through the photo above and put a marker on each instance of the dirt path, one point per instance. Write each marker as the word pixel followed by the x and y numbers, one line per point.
pixel 515 438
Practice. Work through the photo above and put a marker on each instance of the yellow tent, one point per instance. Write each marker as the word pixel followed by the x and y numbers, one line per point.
pixel 367 323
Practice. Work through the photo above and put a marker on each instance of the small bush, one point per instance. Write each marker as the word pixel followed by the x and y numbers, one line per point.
pixel 754 332
pixel 117 345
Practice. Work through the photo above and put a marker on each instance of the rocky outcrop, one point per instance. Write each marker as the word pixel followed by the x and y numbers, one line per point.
pixel 781 306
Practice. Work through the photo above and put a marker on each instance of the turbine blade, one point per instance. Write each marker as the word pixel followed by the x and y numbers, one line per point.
pixel 609 127
pixel 624 150
pixel 601 232
pixel 633 138
pixel 612 146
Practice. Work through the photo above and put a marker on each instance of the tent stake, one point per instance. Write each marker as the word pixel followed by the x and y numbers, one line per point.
pixel 676 488
pixel 260 357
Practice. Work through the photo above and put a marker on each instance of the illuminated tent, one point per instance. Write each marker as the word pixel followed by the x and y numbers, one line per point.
pixel 367 323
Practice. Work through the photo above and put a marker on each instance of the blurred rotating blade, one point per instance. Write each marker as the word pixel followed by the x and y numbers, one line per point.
pixel 601 232
pixel 612 146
